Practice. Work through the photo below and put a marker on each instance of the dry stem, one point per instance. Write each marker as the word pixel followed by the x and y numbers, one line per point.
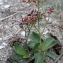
pixel 58 58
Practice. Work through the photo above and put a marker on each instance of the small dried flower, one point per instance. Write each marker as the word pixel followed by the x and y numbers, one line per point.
pixel 44 15
pixel 21 22
pixel 23 0
pixel 28 21
pixel 35 12
pixel 51 10
pixel 25 18
pixel 29 13
pixel 34 1
pixel 30 1
pixel 32 12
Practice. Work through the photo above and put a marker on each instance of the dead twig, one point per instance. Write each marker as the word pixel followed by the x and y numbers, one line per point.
pixel 8 17
pixel 58 58
pixel 14 14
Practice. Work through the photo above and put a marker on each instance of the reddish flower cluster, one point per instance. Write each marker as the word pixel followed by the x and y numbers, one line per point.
pixel 51 10
pixel 29 1
pixel 31 17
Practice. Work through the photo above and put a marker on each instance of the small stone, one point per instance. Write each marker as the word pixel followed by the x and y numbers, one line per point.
pixel 2 47
pixel 23 33
pixel 0 39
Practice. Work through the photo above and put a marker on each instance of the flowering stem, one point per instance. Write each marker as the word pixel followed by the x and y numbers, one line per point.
pixel 38 21
pixel 44 28
pixel 38 5
pixel 36 28
pixel 38 15
pixel 29 28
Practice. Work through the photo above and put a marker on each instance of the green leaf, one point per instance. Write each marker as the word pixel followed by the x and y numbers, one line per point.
pixel 31 44
pixel 20 50
pixel 35 47
pixel 25 46
pixel 30 59
pixel 39 57
pixel 35 37
pixel 18 58
pixel 48 43
pixel 51 55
